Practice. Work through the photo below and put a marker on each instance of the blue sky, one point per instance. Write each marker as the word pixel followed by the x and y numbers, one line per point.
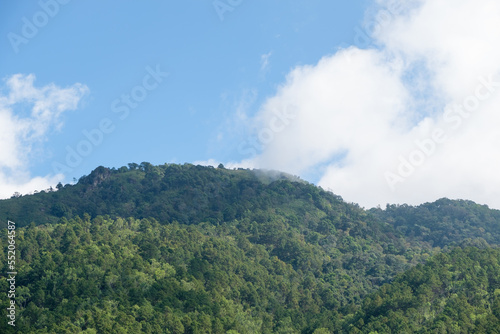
pixel 212 65
pixel 232 66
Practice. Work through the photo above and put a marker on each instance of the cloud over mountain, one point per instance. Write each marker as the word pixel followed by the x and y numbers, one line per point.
pixel 411 118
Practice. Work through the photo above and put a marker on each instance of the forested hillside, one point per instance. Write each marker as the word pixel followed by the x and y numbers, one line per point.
pixel 457 292
pixel 444 221
pixel 192 249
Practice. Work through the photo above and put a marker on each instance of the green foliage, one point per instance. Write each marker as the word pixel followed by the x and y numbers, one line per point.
pixel 187 194
pixel 132 276
pixel 445 222
pixel 214 250
pixel 453 292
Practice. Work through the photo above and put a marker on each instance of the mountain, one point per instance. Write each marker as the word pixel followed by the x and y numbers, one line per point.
pixel 192 249
pixel 186 194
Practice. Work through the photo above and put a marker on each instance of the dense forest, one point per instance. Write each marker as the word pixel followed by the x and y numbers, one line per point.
pixel 192 249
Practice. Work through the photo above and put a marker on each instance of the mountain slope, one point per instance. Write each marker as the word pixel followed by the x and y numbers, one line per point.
pixel 444 222
pixel 456 292
pixel 198 246
pixel 186 194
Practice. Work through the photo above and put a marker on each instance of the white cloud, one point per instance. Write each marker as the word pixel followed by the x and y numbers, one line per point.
pixel 27 114
pixel 359 113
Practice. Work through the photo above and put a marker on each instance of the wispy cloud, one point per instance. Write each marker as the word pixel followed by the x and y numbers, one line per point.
pixel 229 165
pixel 238 123
pixel 264 62
pixel 360 113
pixel 27 115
